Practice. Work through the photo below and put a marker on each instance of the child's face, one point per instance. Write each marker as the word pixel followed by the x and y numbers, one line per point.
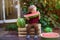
pixel 32 9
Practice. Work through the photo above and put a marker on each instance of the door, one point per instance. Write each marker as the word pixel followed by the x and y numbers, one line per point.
pixel 10 11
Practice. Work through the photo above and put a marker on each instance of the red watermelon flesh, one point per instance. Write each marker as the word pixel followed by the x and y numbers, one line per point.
pixel 32 14
pixel 50 35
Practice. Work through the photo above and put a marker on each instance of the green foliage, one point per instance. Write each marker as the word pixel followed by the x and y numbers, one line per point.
pixel 57 4
pixel 12 27
pixel 25 9
pixel 21 22
pixel 48 29
pixel 31 3
pixel 50 8
pixel 44 23
pixel 55 16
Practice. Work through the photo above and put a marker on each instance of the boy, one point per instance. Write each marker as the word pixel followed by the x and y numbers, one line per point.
pixel 32 22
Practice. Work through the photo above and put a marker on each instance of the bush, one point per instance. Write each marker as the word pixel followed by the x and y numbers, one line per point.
pixel 11 27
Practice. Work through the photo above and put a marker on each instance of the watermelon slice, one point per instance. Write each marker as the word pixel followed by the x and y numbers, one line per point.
pixel 32 15
pixel 50 35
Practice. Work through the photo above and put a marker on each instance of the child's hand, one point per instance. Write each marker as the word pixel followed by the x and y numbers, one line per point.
pixel 27 18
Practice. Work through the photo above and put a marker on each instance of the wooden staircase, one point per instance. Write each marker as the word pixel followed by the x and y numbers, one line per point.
pixel 22 31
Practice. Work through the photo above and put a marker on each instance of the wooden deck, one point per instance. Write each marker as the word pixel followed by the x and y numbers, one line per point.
pixel 12 36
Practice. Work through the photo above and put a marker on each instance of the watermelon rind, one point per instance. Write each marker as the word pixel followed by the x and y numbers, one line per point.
pixel 34 16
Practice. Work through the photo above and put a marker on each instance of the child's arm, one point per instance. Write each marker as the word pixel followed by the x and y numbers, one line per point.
pixel 26 17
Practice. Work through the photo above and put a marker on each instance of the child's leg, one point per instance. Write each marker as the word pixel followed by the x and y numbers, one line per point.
pixel 28 29
pixel 36 31
pixel 36 28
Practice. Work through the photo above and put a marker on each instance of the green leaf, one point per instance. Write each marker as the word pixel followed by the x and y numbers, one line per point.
pixel 57 4
pixel 31 3
pixel 55 16
pixel 12 27
pixel 24 9
pixel 48 29
pixel 50 8
pixel 44 5
pixel 43 22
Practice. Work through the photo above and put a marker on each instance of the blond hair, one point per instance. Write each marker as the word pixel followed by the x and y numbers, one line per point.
pixel 31 7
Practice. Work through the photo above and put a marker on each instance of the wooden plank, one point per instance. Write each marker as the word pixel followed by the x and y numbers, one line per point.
pixel 25 33
pixel 24 29
pixel 21 29
pixel 39 28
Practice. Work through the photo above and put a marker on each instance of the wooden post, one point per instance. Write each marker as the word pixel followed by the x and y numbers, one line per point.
pixel 3 3
pixel 18 9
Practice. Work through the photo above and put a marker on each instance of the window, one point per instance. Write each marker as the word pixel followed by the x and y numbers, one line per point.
pixel 10 10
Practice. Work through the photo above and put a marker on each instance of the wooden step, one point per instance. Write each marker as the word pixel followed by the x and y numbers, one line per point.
pixel 24 29
pixel 21 28
pixel 25 33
